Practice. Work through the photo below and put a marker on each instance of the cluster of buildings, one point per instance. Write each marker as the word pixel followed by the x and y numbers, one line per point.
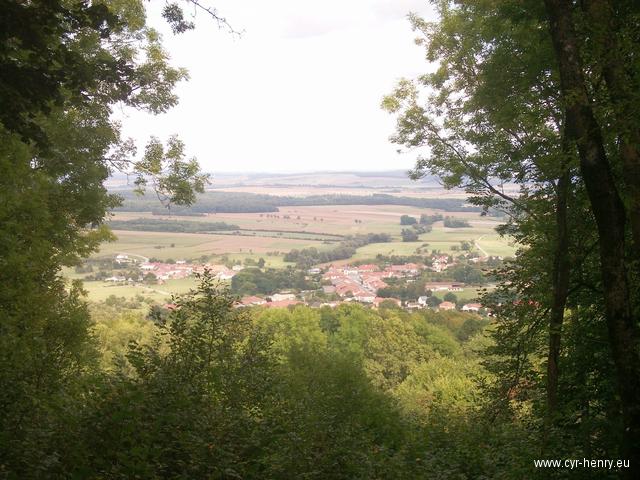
pixel 362 282
pixel 276 300
pixel 440 263
pixel 350 283
pixel 167 271
pixel 181 269
pixel 173 271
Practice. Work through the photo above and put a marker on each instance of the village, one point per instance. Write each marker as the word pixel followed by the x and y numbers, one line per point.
pixel 339 284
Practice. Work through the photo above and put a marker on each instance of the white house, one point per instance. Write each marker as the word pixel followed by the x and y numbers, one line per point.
pixel 471 307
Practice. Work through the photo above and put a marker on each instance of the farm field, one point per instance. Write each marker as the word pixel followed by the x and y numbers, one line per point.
pixel 443 239
pixel 275 235
pixel 333 219
pixel 100 291
pixel 171 245
pixel 493 244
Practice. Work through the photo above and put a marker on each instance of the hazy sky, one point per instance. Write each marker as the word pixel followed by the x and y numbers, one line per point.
pixel 299 91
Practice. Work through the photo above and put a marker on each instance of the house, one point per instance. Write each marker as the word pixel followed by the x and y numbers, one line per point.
pixel 439 267
pixel 282 303
pixel 313 271
pixel 437 286
pixel 407 269
pixel 471 307
pixel 423 300
pixel 279 297
pixel 251 301
pixel 331 304
pixel 368 268
pixel 447 306
pixel 344 287
pixel 218 271
pixel 114 279
pixel 378 300
pixel 332 274
pixel 364 297
pixel 444 287
pixel 478 259
pixel 122 258
pixel 328 289
pixel 374 283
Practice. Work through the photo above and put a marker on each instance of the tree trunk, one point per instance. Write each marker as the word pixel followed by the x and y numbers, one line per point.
pixel 605 26
pixel 560 287
pixel 610 216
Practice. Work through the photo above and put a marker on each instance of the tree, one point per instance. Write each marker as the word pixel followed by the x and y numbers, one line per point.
pixel 455 223
pixel 450 297
pixel 607 204
pixel 150 278
pixel 409 235
pixel 50 34
pixel 433 301
pixel 194 384
pixel 407 220
pixel 429 219
pixel 64 67
pixel 549 140
pixel 525 137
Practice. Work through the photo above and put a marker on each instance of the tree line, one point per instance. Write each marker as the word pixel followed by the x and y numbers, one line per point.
pixel 347 248
pixel 237 202
pixel 184 226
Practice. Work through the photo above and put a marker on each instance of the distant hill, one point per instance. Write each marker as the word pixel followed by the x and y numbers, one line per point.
pixel 319 179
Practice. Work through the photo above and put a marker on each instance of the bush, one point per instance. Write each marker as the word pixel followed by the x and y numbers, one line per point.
pixel 451 222
pixel 407 220
pixel 409 235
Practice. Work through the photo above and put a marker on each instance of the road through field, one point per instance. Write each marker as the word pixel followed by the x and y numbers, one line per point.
pixel 482 250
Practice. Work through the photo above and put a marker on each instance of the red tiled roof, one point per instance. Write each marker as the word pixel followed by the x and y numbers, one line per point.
pixel 282 303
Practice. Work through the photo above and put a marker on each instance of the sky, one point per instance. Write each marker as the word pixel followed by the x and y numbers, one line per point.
pixel 299 90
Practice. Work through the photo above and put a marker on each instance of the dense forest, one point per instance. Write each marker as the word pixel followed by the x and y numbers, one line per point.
pixel 541 95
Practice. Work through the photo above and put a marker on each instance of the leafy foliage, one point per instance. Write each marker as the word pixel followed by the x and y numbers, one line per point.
pixel 407 220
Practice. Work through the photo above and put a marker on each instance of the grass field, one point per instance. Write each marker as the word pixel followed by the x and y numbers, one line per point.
pixel 493 244
pixel 100 291
pixel 443 239
pixel 166 245
pixel 335 219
